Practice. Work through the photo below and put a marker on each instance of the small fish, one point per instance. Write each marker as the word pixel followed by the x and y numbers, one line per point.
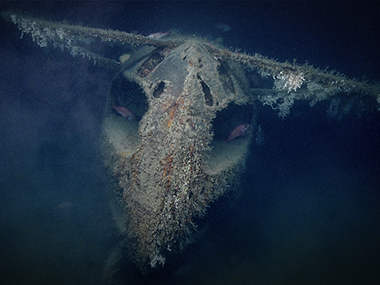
pixel 237 132
pixel 124 112
pixel 159 35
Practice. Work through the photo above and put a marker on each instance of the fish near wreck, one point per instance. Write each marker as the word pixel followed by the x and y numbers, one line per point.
pixel 237 132
pixel 124 112
pixel 170 166
pixel 158 35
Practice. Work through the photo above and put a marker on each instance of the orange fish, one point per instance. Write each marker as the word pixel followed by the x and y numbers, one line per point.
pixel 124 112
pixel 237 132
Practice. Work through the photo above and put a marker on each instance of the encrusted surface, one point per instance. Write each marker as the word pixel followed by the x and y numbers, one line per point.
pixel 173 173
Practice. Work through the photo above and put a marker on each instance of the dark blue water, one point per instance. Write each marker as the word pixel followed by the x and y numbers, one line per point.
pixel 308 210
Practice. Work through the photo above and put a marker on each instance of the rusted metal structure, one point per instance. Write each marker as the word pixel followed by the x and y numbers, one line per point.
pixel 173 161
